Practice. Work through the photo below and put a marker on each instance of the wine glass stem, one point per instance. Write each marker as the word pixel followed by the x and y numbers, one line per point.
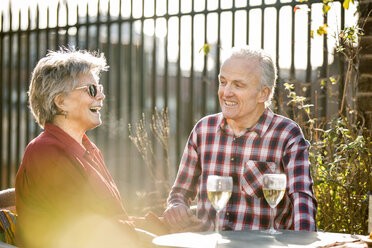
pixel 217 221
pixel 272 220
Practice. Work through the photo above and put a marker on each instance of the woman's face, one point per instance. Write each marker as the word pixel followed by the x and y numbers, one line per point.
pixel 82 108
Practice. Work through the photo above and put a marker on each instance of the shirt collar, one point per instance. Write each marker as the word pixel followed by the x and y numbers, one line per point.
pixel 69 142
pixel 259 128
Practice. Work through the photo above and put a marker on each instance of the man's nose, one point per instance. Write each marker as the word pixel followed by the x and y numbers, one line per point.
pixel 228 90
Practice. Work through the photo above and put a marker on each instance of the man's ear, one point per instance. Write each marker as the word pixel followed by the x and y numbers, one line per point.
pixel 59 101
pixel 264 94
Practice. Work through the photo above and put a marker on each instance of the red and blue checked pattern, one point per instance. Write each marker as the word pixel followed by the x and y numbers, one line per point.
pixel 274 144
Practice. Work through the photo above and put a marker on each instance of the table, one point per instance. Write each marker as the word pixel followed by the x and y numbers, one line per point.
pixel 254 239
pixel 5 245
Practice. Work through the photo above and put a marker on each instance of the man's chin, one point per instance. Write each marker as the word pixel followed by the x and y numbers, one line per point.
pixel 228 114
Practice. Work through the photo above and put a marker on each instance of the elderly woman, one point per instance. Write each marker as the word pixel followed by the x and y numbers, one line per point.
pixel 65 196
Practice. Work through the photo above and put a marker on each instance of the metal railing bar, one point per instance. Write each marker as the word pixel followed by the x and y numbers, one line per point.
pixel 205 67
pixel 9 104
pixel 153 71
pixel 308 63
pixel 247 11
pixel 142 70
pixel 67 18
pixel 108 53
pixel 77 28
pixel 165 90
pixel 178 88
pixel 56 42
pixel 342 63
pixel 47 30
pixel 87 28
pixel 1 95
pixel 277 43
pixel 130 69
pixel 218 55
pixel 98 25
pixel 28 65
pixel 292 67
pixel 106 138
pixel 233 24
pixel 119 71
pixel 262 28
pixel 190 121
pixel 324 68
pixel 18 86
pixel 323 71
pixel 36 126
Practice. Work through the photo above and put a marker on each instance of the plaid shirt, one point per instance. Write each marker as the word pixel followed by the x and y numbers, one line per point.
pixel 275 143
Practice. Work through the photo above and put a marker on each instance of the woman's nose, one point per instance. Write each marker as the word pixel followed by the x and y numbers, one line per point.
pixel 100 95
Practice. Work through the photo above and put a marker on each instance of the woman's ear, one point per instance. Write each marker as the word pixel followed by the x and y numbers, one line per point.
pixel 59 101
pixel 264 94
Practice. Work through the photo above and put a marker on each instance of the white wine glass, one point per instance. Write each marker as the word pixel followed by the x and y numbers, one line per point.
pixel 219 190
pixel 273 188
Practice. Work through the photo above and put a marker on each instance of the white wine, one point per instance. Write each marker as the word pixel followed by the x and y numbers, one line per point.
pixel 219 199
pixel 273 196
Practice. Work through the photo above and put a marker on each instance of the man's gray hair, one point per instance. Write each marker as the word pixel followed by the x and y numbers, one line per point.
pixel 56 74
pixel 269 70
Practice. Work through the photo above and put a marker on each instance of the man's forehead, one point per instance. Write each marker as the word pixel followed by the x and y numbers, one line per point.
pixel 252 61
pixel 240 65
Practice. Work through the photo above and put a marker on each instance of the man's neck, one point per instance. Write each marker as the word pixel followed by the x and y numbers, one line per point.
pixel 238 126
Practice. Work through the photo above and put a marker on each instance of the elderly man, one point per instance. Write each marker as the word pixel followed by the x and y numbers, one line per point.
pixel 245 141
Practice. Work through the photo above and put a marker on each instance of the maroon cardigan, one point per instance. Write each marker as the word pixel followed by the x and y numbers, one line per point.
pixel 59 183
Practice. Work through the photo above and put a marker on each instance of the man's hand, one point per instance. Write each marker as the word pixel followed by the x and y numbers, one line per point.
pixel 179 218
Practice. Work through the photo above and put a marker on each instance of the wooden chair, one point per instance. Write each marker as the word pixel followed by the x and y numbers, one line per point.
pixel 8 217
pixel 7 199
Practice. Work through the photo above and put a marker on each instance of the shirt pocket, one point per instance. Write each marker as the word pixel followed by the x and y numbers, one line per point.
pixel 252 176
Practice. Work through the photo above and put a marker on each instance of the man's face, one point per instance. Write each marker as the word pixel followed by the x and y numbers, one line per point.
pixel 240 92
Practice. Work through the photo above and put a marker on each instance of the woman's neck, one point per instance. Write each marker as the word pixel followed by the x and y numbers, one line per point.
pixel 76 133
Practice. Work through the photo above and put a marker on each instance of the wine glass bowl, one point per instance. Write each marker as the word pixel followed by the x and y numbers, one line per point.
pixel 219 189
pixel 273 187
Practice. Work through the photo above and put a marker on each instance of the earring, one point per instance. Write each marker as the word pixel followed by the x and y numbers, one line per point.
pixel 64 113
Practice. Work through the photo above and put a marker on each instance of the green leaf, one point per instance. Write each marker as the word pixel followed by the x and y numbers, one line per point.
pixel 206 48
pixel 326 8
pixel 333 80
pixel 322 29
pixel 346 4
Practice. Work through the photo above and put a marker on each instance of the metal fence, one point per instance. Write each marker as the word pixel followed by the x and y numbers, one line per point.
pixel 154 49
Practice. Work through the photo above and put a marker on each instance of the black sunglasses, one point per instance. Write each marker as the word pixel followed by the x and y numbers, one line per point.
pixel 92 89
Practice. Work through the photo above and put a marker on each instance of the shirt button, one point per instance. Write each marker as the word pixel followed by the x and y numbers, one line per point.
pixel 232 159
pixel 227 214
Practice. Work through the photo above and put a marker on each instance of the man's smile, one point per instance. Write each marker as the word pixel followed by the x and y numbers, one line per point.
pixel 230 103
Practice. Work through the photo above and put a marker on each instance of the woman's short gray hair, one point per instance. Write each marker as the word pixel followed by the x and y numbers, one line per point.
pixel 56 74
pixel 269 70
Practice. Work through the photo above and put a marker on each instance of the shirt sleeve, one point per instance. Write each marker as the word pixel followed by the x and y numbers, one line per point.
pixel 185 187
pixel 304 212
pixel 297 167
